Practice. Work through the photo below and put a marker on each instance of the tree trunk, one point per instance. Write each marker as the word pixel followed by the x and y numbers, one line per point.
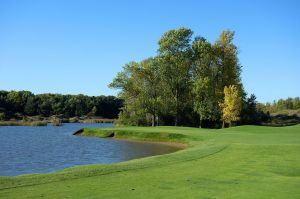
pixel 223 125
pixel 176 106
pixel 200 125
pixel 153 120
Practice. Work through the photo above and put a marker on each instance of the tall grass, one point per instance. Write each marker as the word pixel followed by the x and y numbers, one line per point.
pixel 23 123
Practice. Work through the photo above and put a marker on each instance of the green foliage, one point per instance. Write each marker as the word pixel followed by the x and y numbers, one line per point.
pixel 175 55
pixel 30 106
pixel 140 91
pixel 205 73
pixel 227 62
pixel 280 105
pixel 282 112
pixel 182 84
pixel 93 111
pixel 2 116
pixel 15 104
pixel 250 113
pixel 175 41
pixel 205 103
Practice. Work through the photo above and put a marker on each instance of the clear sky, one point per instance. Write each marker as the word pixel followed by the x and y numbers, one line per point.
pixel 62 46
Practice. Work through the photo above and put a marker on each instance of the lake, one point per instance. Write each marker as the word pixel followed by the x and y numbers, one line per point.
pixel 26 149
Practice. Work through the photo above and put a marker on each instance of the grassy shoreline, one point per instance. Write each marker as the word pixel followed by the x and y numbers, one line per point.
pixel 149 137
pixel 239 162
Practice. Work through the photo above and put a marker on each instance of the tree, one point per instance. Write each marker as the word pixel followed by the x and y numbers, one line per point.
pixel 14 104
pixel 17 100
pixel 3 104
pixel 204 85
pixel 44 105
pixel 184 81
pixel 140 83
pixel 30 106
pixel 296 103
pixel 150 96
pixel 58 104
pixel 93 111
pixel 250 113
pixel 129 81
pixel 232 104
pixel 204 102
pixel 2 116
pixel 228 63
pixel 175 63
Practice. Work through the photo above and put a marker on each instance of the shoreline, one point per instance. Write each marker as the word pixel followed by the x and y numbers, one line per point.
pixel 178 145
pixel 111 134
pixel 49 121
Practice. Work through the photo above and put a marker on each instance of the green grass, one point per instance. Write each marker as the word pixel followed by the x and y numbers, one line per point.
pixel 240 162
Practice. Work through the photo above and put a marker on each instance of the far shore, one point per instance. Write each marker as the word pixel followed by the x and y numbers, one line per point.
pixel 56 121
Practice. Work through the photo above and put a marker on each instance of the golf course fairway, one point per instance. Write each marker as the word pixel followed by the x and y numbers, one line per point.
pixel 238 162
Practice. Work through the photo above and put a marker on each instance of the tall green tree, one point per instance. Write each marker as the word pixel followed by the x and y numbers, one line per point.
pixel 175 63
pixel 150 96
pixel 17 100
pixel 129 82
pixel 141 91
pixel 204 85
pixel 30 106
pixel 228 63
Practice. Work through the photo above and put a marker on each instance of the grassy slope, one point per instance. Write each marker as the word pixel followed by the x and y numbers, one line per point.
pixel 240 162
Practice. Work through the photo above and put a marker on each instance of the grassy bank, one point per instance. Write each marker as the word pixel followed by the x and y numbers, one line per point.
pixel 240 162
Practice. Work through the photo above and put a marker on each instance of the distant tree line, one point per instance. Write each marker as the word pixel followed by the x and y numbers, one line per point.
pixel 15 104
pixel 281 104
pixel 189 82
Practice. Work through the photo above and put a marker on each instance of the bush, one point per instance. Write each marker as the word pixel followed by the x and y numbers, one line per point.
pixel 2 116
pixel 56 122
pixel 38 123
pixel 74 120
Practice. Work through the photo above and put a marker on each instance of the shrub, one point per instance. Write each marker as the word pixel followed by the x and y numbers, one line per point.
pixel 56 122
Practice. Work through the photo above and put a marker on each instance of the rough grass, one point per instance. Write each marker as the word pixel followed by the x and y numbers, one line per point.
pixel 240 162
pixel 23 123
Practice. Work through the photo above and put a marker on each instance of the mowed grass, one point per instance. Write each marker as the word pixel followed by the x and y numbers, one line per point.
pixel 240 162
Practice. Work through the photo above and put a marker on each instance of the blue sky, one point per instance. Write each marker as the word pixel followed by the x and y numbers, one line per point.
pixel 79 46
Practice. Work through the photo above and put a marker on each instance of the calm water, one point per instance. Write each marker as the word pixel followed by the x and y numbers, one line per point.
pixel 25 149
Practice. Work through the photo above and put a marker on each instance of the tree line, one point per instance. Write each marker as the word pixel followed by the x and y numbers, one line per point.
pixel 189 82
pixel 16 104
pixel 281 104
